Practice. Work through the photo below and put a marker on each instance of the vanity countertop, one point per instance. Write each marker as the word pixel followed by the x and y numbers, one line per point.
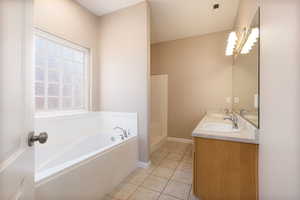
pixel 247 133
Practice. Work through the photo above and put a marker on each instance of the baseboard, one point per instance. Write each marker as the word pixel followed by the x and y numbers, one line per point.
pixel 143 164
pixel 174 139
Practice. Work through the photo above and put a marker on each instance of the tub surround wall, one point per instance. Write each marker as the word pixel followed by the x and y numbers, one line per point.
pixel 200 77
pixel 67 19
pixel 124 46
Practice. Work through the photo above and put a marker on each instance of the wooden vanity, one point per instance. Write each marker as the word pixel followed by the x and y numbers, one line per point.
pixel 225 170
pixel 225 159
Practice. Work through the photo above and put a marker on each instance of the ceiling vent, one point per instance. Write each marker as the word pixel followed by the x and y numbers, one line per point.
pixel 216 6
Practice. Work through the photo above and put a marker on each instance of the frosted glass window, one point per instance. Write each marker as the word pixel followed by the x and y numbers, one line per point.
pixel 60 75
pixel 53 76
pixel 39 89
pixel 40 103
pixel 39 74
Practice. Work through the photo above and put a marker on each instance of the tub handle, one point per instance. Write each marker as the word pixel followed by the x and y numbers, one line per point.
pixel 41 138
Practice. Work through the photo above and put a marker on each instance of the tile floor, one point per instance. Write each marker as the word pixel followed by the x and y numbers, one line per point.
pixel 168 178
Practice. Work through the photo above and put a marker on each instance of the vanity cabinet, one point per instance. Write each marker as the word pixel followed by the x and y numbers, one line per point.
pixel 225 170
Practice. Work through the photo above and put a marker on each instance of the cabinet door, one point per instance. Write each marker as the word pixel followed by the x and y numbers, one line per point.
pixel 225 170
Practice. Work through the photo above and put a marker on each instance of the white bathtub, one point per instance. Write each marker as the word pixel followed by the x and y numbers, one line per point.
pixel 84 157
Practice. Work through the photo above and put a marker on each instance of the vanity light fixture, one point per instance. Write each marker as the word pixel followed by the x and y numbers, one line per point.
pixel 231 42
pixel 250 41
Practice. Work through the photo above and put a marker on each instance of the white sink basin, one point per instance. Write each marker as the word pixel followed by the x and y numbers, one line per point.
pixel 218 127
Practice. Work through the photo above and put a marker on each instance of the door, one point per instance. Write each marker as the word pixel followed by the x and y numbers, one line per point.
pixel 159 109
pixel 16 102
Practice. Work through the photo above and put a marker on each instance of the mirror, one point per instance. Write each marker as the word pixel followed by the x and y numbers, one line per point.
pixel 245 76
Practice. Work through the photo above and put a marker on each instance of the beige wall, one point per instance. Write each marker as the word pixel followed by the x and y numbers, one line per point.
pixel 124 66
pixel 199 78
pixel 69 20
pixel 280 100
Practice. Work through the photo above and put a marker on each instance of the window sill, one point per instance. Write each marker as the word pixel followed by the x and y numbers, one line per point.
pixel 59 114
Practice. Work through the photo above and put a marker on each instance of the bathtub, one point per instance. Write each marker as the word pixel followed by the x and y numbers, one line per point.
pixel 84 158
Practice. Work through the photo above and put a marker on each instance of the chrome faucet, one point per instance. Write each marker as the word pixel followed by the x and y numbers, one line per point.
pixel 123 130
pixel 234 120
pixel 122 136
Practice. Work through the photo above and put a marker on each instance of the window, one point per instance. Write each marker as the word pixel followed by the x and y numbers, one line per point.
pixel 61 70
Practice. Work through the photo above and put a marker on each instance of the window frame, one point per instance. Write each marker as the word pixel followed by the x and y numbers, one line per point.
pixel 86 76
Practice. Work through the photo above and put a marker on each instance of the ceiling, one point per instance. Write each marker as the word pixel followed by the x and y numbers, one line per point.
pixel 176 19
pixel 102 7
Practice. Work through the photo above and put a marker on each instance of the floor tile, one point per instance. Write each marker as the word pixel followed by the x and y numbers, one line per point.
pixel 163 149
pixel 189 147
pixel 158 156
pixel 107 197
pixel 166 197
pixel 163 172
pixel 178 151
pixel 178 190
pixel 189 152
pixel 187 159
pixel 185 166
pixel 137 177
pixel 123 191
pixel 149 169
pixel 159 153
pixel 155 183
pixel 170 164
pixel 174 156
pixel 144 194
pixel 160 181
pixel 156 161
pixel 183 176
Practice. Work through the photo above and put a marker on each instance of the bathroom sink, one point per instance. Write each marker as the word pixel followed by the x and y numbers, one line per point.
pixel 218 127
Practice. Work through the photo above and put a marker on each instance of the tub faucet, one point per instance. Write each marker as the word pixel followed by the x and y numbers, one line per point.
pixel 122 129
pixel 122 136
pixel 234 120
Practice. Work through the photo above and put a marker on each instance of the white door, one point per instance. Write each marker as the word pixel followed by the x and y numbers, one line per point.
pixel 159 109
pixel 16 103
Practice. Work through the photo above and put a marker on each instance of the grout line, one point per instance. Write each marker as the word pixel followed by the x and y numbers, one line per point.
pixel 157 165
pixel 171 178
pixel 138 186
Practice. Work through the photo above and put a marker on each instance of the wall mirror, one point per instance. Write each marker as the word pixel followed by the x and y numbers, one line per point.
pixel 245 76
